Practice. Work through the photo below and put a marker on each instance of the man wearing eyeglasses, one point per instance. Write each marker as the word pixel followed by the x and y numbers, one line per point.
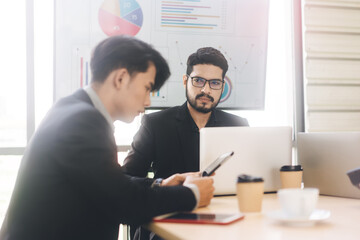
pixel 168 141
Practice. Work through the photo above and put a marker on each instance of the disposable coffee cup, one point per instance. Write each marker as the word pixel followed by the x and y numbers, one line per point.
pixel 291 176
pixel 249 193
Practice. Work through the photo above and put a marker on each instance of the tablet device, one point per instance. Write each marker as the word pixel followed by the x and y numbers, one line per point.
pixel 217 163
pixel 200 218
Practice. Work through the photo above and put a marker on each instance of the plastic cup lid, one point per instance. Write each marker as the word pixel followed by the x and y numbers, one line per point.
pixel 248 178
pixel 291 168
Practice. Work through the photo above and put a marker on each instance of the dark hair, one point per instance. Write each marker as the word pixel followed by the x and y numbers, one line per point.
pixel 130 53
pixel 207 55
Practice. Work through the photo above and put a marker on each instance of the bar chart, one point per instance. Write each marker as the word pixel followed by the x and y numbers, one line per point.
pixel 196 15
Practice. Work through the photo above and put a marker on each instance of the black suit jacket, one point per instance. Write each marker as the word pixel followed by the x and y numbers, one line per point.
pixel 168 141
pixel 70 185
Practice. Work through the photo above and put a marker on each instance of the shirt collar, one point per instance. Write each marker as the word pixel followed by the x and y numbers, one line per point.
pixel 99 105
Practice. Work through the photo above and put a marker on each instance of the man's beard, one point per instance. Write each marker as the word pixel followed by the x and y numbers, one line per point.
pixel 201 109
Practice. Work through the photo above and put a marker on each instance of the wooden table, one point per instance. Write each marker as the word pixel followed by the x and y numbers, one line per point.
pixel 343 224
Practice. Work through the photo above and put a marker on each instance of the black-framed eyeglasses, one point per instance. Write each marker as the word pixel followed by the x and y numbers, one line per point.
pixel 200 82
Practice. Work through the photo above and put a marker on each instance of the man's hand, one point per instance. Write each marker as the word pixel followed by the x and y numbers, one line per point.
pixel 178 179
pixel 205 186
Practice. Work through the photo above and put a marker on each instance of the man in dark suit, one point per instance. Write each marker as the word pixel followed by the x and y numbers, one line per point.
pixel 168 141
pixel 69 184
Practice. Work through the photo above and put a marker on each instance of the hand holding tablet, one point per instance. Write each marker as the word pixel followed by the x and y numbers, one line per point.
pixel 217 163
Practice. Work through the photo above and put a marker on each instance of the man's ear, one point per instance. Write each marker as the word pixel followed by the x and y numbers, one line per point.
pixel 185 78
pixel 121 77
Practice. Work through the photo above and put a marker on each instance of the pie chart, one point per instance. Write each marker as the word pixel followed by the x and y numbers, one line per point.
pixel 117 17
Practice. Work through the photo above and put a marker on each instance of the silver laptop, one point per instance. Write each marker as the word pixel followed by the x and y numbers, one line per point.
pixel 258 151
pixel 326 157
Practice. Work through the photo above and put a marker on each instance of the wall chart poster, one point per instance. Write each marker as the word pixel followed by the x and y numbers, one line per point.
pixel 176 28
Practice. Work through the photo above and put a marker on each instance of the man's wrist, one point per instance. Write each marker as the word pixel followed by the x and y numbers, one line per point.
pixel 195 191
pixel 157 182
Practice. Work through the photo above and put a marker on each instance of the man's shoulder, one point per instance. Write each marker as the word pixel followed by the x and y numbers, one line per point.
pixel 228 119
pixel 75 109
pixel 75 105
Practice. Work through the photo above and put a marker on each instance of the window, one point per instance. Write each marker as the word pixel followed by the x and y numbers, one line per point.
pixel 13 76
pixel 43 57
pixel 17 92
pixel 13 95
pixel 9 166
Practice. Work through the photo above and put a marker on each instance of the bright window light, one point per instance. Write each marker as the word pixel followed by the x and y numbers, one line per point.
pixel 13 75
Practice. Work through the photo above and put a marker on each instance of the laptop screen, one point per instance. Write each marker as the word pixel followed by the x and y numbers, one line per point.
pixel 258 151
pixel 326 158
